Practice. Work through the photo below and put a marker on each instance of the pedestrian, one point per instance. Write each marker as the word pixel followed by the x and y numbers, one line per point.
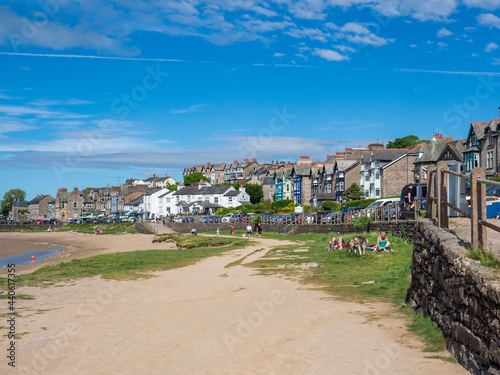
pixel 344 213
pixel 259 230
pixel 249 230
pixel 217 232
pixel 232 229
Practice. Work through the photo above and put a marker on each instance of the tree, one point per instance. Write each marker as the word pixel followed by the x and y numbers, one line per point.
pixel 405 142
pixel 353 192
pixel 13 195
pixel 172 187
pixel 191 178
pixel 255 192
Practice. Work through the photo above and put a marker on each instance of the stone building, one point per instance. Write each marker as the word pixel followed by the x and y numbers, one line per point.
pixel 38 207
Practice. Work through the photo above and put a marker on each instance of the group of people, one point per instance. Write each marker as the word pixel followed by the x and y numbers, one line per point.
pixel 383 244
pixel 258 229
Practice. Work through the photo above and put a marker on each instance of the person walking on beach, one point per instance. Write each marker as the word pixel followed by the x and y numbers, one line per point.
pixel 249 230
pixel 259 230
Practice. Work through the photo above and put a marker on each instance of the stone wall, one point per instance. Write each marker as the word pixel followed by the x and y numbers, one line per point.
pixel 28 227
pixel 462 297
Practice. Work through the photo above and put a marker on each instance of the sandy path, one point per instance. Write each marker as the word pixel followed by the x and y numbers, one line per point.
pixel 207 319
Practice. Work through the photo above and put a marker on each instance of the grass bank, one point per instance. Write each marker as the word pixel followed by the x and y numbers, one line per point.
pixel 108 228
pixel 121 266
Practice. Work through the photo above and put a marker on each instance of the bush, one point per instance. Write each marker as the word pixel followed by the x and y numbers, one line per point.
pixel 331 206
pixel 256 219
pixel 362 222
pixel 278 205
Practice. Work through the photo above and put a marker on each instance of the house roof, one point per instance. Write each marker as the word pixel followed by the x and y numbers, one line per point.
pixel 330 159
pixel 191 190
pixel 345 164
pixel 63 197
pixel 302 170
pixel 20 204
pixel 204 204
pixel 388 154
pixel 434 151
pixel 135 202
pixel 153 190
pixel 267 181
pixel 37 199
pixel 232 193
pixel 329 168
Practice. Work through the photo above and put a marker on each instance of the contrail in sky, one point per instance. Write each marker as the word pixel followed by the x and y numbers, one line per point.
pixel 96 57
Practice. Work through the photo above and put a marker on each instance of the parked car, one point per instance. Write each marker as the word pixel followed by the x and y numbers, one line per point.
pixel 187 219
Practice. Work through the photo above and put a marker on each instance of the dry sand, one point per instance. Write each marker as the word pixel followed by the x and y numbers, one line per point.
pixel 205 319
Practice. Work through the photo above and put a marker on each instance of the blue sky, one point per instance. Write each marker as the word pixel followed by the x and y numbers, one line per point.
pixel 95 92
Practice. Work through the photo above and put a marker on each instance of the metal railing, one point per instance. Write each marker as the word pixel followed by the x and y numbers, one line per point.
pixel 437 201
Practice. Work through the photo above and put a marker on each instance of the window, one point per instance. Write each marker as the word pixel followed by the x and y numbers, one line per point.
pixel 341 186
pixel 230 199
pixel 377 174
pixel 367 176
pixel 490 139
pixel 287 187
pixel 74 205
pixel 377 192
pixel 328 188
pixel 476 160
pixel 367 194
pixel 216 200
pixel 490 159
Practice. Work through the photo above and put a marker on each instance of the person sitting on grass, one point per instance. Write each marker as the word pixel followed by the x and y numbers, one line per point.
pixel 382 243
pixel 336 244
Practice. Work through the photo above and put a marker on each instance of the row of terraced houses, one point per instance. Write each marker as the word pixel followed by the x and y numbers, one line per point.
pixel 379 172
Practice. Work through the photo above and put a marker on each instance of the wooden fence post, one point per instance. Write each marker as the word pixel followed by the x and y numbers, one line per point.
pixel 478 208
pixel 441 195
pixel 431 207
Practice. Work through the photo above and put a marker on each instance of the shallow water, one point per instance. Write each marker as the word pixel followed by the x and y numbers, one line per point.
pixel 25 258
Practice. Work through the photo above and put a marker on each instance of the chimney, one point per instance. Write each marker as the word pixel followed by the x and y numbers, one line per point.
pixel 75 189
pixel 438 136
pixel 246 161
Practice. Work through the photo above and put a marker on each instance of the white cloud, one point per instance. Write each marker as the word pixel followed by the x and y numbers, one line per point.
pixel 371 39
pixel 329 55
pixel 279 54
pixel 313 34
pixel 413 46
pixel 483 4
pixel 442 44
pixel 50 102
pixel 356 28
pixel 490 47
pixel 489 20
pixel 344 48
pixel 190 109
pixel 443 32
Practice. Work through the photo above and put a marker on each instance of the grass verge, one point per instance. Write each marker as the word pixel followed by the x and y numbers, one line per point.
pixel 110 228
pixel 119 266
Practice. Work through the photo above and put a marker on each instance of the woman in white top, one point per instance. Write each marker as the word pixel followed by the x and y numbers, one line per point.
pixel 249 230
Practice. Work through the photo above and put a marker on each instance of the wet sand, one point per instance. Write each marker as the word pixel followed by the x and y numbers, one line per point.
pixel 11 246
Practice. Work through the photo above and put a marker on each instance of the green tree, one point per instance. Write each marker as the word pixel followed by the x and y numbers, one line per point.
pixel 172 187
pixel 353 192
pixel 277 205
pixel 408 141
pixel 13 195
pixel 255 192
pixel 191 178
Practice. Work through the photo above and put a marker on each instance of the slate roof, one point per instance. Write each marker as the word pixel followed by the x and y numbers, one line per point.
pixel 190 190
pixel 63 197
pixel 479 128
pixel 232 193
pixel 37 199
pixel 302 170
pixel 153 190
pixel 388 154
pixel 330 159
pixel 134 202
pixel 329 168
pixel 268 181
pixel 345 164
pixel 20 204
pixel 434 151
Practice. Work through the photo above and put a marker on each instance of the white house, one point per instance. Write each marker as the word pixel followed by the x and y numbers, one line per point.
pixel 207 199
pixel 150 203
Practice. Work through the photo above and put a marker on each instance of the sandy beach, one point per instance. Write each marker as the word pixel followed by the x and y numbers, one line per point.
pixel 204 319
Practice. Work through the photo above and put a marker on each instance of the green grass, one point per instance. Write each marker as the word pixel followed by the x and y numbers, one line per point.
pixel 118 266
pixel 110 228
pixel 449 358
pixel 344 274
pixel 430 333
pixel 191 242
pixel 486 258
